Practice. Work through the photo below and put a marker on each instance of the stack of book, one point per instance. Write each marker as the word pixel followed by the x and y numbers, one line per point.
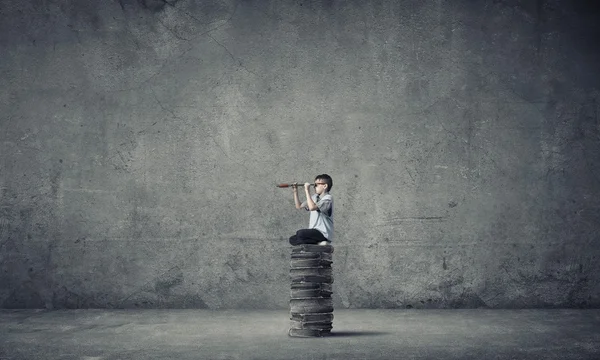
pixel 311 306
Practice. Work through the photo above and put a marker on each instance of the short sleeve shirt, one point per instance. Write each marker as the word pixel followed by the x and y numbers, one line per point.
pixel 322 218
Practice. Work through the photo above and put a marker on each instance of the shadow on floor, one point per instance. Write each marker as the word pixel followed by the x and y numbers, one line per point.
pixel 355 333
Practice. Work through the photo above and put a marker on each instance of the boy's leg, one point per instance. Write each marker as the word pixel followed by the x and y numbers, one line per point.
pixel 297 239
pixel 307 236
pixel 294 240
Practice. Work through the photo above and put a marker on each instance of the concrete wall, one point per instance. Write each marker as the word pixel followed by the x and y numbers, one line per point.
pixel 141 141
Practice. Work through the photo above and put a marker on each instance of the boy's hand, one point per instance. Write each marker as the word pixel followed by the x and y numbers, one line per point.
pixel 295 187
pixel 306 186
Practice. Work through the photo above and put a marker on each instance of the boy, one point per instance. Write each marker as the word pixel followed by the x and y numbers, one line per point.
pixel 320 205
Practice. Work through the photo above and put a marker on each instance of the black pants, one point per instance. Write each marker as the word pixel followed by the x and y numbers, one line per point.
pixel 307 236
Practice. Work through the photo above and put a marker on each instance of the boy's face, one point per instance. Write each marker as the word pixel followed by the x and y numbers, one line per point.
pixel 320 186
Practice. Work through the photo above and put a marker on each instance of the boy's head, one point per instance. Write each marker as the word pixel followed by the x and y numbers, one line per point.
pixel 323 183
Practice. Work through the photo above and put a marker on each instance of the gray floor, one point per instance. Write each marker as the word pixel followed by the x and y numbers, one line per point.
pixel 357 334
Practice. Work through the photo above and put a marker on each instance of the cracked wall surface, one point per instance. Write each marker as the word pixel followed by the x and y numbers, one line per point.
pixel 141 141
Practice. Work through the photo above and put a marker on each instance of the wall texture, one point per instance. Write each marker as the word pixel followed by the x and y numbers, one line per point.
pixel 141 141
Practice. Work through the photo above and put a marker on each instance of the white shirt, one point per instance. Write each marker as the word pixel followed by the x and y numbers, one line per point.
pixel 322 218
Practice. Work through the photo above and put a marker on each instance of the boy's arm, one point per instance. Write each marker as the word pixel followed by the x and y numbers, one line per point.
pixel 296 200
pixel 309 201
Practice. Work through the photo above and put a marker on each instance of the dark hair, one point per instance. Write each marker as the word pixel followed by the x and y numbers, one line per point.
pixel 327 179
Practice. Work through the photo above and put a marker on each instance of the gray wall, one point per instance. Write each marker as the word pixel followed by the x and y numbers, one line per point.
pixel 141 142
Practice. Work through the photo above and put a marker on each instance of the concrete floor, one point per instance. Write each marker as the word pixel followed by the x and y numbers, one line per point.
pixel 357 334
